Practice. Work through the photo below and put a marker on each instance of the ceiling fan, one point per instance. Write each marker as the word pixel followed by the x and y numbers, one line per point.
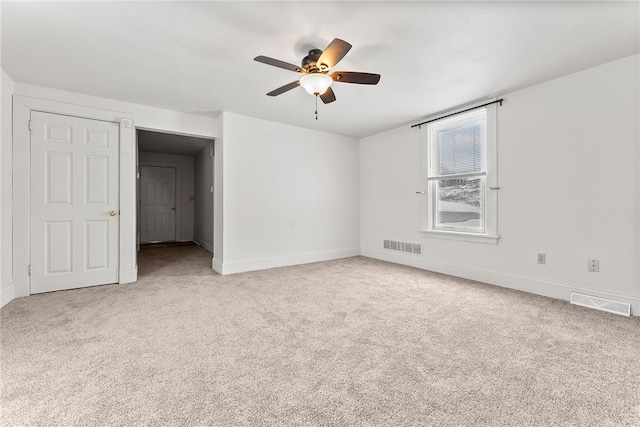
pixel 317 80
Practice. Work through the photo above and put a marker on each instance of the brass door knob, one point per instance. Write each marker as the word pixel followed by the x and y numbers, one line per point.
pixel 112 213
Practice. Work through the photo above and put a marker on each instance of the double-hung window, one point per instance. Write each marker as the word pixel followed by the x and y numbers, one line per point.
pixel 460 160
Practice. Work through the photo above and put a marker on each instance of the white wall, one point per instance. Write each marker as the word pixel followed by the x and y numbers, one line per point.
pixel 7 291
pixel 203 206
pixel 184 188
pixel 290 195
pixel 569 172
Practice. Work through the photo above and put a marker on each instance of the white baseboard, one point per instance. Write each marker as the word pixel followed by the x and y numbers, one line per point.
pixel 7 294
pixel 532 285
pixel 205 245
pixel 216 265
pixel 284 261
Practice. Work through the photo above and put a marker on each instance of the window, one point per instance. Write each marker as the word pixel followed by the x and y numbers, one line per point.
pixel 460 176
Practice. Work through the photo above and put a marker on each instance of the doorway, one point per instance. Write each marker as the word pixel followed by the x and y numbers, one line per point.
pixel 175 199
pixel 115 218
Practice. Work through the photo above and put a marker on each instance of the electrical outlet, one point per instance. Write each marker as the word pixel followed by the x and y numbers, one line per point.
pixel 542 258
pixel 594 265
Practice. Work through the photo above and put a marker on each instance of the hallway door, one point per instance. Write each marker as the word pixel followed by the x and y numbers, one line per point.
pixel 158 204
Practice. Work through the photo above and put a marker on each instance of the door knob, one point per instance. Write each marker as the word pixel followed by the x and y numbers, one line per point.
pixel 112 213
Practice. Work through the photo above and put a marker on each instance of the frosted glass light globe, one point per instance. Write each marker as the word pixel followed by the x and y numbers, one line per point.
pixel 316 83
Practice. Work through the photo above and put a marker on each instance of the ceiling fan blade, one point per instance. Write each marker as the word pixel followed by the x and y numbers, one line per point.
pixel 285 88
pixel 277 63
pixel 336 50
pixel 355 77
pixel 328 96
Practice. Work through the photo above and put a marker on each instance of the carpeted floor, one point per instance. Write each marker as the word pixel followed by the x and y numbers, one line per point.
pixel 352 342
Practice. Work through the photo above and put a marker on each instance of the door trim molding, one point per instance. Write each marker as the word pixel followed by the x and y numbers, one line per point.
pixel 22 107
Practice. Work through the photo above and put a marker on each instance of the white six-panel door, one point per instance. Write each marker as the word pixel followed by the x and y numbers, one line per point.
pixel 74 202
pixel 158 204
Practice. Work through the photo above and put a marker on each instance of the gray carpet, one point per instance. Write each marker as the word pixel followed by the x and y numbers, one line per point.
pixel 352 342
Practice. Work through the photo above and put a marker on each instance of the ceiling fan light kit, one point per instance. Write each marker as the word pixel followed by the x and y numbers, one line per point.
pixel 315 67
pixel 316 83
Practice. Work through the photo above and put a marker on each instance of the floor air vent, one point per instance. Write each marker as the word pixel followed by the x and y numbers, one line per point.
pixel 603 304
pixel 412 248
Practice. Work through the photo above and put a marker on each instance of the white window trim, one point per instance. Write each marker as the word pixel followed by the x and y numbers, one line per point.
pixel 463 236
pixel 490 234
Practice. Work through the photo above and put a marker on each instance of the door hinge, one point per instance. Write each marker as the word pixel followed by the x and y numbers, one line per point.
pixel 29 124
pixel 29 268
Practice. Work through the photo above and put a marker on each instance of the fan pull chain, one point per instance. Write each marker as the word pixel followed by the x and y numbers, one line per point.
pixel 316 106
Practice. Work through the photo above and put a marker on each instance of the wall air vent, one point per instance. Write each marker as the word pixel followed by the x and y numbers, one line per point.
pixel 603 304
pixel 412 248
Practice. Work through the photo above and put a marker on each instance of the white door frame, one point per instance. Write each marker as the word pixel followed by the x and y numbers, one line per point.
pixel 22 107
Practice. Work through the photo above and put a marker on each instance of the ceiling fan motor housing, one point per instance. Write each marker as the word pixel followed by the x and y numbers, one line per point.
pixel 309 62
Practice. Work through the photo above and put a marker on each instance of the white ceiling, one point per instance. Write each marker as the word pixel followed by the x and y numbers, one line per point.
pixel 197 57
pixel 159 142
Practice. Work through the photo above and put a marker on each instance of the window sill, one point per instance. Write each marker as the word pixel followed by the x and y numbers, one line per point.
pixel 462 236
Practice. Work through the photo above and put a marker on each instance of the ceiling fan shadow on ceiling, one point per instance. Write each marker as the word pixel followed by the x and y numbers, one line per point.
pixel 315 66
